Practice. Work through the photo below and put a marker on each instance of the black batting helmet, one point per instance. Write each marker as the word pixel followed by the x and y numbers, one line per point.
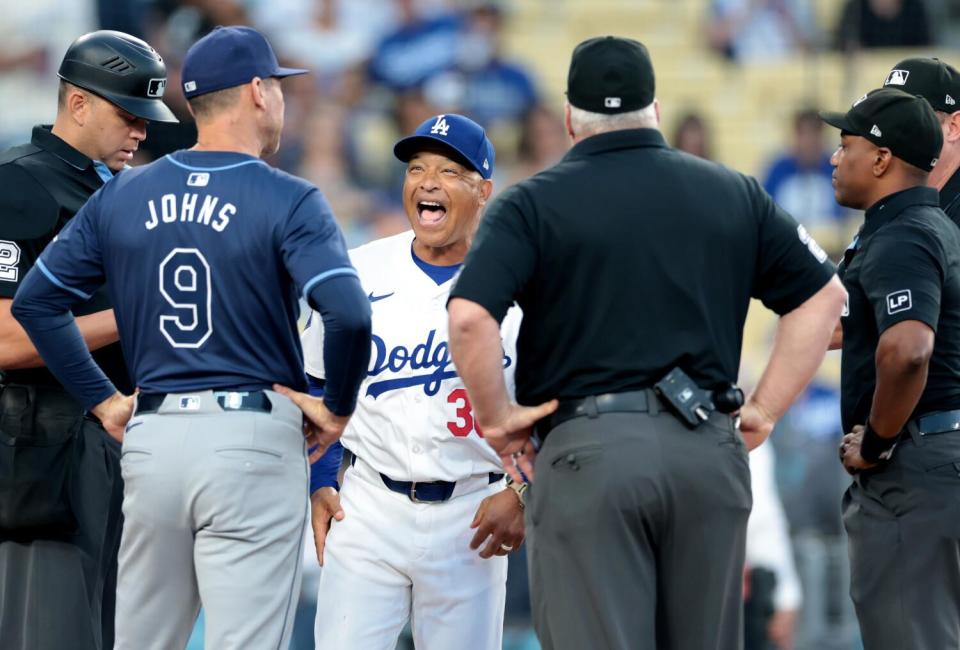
pixel 122 69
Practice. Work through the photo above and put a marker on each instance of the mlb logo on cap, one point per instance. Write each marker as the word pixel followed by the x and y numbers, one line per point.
pixel 897 78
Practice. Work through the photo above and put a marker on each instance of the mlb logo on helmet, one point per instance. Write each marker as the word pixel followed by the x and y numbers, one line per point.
pixel 155 87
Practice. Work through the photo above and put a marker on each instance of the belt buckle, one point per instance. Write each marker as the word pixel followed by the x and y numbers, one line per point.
pixel 413 493
pixel 233 400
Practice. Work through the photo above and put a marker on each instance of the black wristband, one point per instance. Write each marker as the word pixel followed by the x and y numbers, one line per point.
pixel 875 448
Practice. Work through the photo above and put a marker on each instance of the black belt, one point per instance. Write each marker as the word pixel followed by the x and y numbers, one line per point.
pixel 424 491
pixel 634 401
pixel 229 401
pixel 934 424
pixel 427 492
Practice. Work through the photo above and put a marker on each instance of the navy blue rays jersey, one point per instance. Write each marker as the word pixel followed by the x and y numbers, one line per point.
pixel 205 256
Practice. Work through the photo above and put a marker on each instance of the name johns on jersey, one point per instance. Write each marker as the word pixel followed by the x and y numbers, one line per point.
pixel 186 210
pixel 431 356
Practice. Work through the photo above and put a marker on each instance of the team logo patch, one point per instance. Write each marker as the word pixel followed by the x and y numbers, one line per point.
pixel 876 131
pixel 440 127
pixel 949 101
pixel 897 78
pixel 189 403
pixel 155 87
pixel 190 86
pixel 198 179
pixel 899 301
pixel 811 244
pixel 611 102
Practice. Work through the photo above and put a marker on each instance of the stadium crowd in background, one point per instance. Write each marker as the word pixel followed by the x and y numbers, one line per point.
pixel 383 66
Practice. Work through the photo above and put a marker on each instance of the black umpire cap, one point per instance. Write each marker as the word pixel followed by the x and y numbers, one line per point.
pixel 905 124
pixel 609 74
pixel 932 79
pixel 121 69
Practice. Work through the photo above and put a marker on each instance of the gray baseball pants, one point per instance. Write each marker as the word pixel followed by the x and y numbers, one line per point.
pixel 636 533
pixel 215 506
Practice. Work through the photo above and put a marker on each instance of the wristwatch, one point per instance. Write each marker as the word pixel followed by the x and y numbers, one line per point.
pixel 520 489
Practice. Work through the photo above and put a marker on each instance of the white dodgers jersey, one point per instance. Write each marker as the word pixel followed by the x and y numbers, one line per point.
pixel 414 421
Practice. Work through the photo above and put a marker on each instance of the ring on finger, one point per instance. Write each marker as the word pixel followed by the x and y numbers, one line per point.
pixel 506 547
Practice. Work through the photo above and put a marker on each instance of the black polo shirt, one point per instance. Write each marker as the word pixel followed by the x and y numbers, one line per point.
pixel 629 258
pixel 42 186
pixel 903 265
pixel 950 198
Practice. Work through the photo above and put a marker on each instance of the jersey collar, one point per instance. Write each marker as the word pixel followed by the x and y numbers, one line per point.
pixel 44 138
pixel 890 206
pixel 614 140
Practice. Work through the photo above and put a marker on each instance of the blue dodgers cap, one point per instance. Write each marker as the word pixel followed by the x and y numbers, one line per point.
pixel 461 134
pixel 228 57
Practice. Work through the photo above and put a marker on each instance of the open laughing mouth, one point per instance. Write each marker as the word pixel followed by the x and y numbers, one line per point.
pixel 431 213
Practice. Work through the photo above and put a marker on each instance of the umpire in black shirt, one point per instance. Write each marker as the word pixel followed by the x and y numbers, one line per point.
pixel 60 486
pixel 631 261
pixel 938 83
pixel 900 372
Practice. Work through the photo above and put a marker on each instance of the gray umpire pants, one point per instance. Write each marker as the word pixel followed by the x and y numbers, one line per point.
pixel 636 533
pixel 215 507
pixel 903 524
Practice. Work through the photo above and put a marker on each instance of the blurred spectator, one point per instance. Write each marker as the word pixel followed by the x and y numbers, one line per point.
pixel 484 85
pixel 769 553
pixel 128 16
pixel 883 23
pixel 33 37
pixel 801 180
pixel 326 36
pixel 543 142
pixel 812 483
pixel 692 136
pixel 761 30
pixel 325 164
pixel 422 46
pixel 183 22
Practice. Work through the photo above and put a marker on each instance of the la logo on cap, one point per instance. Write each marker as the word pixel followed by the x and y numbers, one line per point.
pixel 440 126
pixel 897 78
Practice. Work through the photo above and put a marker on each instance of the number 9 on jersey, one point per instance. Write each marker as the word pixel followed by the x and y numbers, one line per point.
pixel 185 285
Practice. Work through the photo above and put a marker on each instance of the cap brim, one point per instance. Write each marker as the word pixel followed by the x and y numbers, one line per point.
pixel 838 120
pixel 289 72
pixel 152 110
pixel 405 149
